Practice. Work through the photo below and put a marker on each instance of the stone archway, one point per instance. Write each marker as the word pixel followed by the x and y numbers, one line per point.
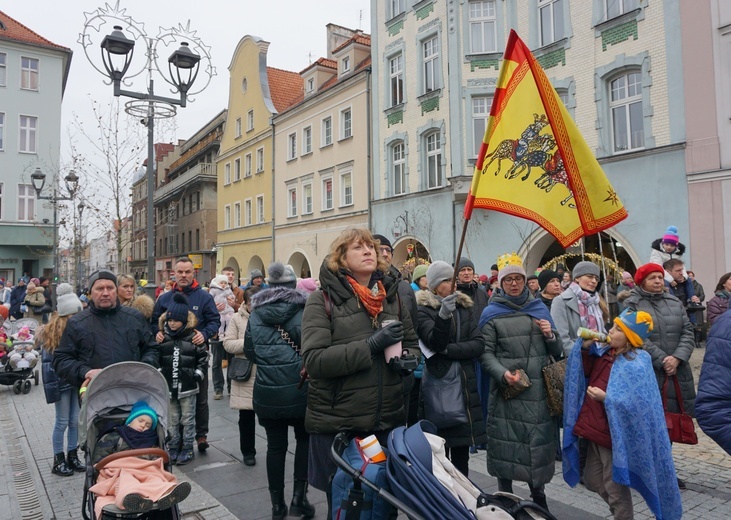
pixel 300 264
pixel 408 252
pixel 255 262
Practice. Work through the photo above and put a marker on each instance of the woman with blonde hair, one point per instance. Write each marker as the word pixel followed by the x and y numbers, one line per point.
pixel 58 392
pixel 127 294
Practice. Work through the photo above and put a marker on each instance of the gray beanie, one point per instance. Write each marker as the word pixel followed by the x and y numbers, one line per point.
pixel 256 273
pixel 438 272
pixel 583 268
pixel 280 274
pixel 67 303
pixel 101 274
pixel 465 262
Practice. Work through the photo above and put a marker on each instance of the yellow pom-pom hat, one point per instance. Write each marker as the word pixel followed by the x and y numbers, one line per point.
pixel 509 263
pixel 636 325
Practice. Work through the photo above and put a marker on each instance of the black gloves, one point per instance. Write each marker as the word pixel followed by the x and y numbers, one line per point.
pixel 385 337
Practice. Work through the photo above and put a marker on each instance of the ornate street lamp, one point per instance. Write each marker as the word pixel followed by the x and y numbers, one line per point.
pixel 117 50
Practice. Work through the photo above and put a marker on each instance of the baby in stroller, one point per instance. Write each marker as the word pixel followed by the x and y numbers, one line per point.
pixel 135 484
pixel 23 355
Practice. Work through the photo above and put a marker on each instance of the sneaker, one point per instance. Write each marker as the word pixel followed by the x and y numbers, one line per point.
pixel 218 395
pixel 173 454
pixel 136 503
pixel 250 460
pixel 178 494
pixel 186 455
pixel 202 443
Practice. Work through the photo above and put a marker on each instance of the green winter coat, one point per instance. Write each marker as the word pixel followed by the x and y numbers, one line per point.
pixel 521 432
pixel 349 389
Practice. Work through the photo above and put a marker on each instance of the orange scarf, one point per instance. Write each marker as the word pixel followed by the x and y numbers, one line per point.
pixel 372 302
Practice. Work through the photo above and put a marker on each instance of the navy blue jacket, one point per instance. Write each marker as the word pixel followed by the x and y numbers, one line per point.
pixel 200 303
pixel 713 402
pixel 17 295
pixel 52 385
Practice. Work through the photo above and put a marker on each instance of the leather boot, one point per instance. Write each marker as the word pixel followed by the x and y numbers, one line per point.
pixel 279 508
pixel 73 462
pixel 300 507
pixel 60 467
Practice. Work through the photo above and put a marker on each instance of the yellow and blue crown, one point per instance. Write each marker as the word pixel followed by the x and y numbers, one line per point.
pixel 636 325
pixel 509 259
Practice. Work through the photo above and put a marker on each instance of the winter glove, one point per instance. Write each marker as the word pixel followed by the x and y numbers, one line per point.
pixel 449 305
pixel 385 337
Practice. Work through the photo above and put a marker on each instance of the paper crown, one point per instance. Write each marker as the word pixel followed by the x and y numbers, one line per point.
pixel 509 259
pixel 635 325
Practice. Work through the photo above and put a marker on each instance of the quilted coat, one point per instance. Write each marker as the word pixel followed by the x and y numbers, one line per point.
pixel 242 392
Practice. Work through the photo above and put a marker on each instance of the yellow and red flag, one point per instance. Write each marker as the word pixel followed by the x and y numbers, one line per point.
pixel 534 163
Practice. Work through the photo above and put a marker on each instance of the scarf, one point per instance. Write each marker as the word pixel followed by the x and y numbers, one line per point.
pixel 589 310
pixel 372 299
pixel 723 294
pixel 135 439
pixel 533 308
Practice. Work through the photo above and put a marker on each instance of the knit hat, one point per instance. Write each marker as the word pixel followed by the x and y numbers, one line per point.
pixel 36 281
pixel 546 276
pixel 644 270
pixel 218 280
pixel 583 268
pixel 492 280
pixel 509 264
pixel 671 236
pixel 256 273
pixel 307 284
pixel 178 308
pixel 465 262
pixel 101 274
pixel 635 325
pixel 67 303
pixel 532 277
pixel 383 240
pixel 142 408
pixel 483 278
pixel 626 275
pixel 419 271
pixel 437 272
pixel 280 274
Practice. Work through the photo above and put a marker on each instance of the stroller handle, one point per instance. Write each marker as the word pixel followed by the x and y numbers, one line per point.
pixel 132 453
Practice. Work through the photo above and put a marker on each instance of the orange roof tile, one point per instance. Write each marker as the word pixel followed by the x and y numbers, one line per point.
pixel 323 62
pixel 284 87
pixel 363 39
pixel 16 31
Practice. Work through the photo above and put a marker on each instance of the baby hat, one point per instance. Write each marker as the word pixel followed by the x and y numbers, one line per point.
pixel 636 325
pixel 218 280
pixel 142 408
pixel 307 284
pixel 437 272
pixel 178 308
pixel 671 236
pixel 67 303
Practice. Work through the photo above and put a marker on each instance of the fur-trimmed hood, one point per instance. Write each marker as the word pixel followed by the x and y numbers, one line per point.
pixel 429 299
pixel 278 294
pixel 656 245
pixel 142 303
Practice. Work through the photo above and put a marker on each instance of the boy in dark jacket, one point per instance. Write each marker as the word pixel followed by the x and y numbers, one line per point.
pixel 183 364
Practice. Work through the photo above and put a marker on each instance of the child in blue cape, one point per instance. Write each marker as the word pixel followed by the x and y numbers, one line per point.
pixel 622 419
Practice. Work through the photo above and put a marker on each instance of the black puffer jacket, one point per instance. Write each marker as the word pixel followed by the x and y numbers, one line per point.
pixel 478 295
pixel 457 338
pixel 181 362
pixel 278 365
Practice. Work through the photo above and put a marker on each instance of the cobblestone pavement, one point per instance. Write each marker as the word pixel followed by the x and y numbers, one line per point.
pixel 223 488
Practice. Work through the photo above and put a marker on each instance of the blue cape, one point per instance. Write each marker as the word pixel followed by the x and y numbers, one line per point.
pixel 534 308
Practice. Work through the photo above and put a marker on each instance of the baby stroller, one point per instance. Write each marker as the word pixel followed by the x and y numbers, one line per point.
pixel 417 475
pixel 20 377
pixel 107 403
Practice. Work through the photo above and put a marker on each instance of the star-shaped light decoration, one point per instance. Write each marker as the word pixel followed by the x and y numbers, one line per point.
pixel 612 197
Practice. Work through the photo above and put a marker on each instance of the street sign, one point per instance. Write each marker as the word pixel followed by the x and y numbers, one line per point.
pixel 197 261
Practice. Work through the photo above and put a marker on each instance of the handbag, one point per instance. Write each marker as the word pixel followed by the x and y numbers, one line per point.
pixel 554 375
pixel 444 401
pixel 239 369
pixel 42 309
pixel 518 388
pixel 680 425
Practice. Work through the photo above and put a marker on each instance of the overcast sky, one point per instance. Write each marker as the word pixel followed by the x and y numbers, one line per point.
pixel 295 29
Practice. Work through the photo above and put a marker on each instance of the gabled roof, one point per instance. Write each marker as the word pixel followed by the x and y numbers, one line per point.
pixel 362 38
pixel 284 87
pixel 322 62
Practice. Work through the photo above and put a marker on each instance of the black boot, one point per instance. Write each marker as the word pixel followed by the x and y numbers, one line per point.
pixel 300 507
pixel 73 462
pixel 279 508
pixel 539 497
pixel 60 467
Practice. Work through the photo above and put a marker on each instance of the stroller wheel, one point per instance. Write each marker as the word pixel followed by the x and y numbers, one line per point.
pixel 26 386
pixel 35 377
pixel 17 387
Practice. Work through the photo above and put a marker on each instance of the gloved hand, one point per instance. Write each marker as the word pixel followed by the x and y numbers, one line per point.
pixel 449 305
pixel 386 336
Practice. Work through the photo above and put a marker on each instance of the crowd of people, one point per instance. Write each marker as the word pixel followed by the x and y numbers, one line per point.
pixel 357 349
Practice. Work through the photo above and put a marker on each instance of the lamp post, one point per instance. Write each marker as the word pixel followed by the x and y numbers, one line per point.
pixel 72 184
pixel 117 51
pixel 79 269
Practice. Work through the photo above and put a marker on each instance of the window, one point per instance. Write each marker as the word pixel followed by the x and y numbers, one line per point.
pixel 563 95
pixel 307 199
pixel 260 209
pixel 346 189
pixel 260 160
pixel 237 214
pixel 227 217
pixel 614 8
pixel 430 54
pixel 480 112
pixel 247 212
pixel 28 73
pixel 28 127
pixel 346 124
pixel 238 127
pixel 227 174
pixel 182 241
pixel 310 84
pixel 346 65
pixel 2 131
pixel 1 200
pixel 396 71
pixel 198 239
pixel 3 69
pixel 551 20
pixel 398 160
pixel 247 165
pixel 250 121
pixel 625 103
pixel 396 7
pixel 482 26
pixel 327 194
pixel 291 147
pixel 327 131
pixel 237 169
pixel 307 140
pixel 433 160
pixel 26 202
pixel 292 202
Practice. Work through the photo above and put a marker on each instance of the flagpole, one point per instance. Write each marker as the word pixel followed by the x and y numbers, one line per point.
pixel 459 254
pixel 604 272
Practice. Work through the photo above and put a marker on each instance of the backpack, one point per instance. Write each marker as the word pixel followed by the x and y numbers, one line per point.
pixel 353 501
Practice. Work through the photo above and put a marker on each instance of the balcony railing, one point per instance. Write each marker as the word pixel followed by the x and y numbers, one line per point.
pixel 199 172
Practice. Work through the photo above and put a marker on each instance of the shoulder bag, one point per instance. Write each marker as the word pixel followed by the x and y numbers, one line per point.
pixel 239 369
pixel 680 425
pixel 444 401
pixel 554 375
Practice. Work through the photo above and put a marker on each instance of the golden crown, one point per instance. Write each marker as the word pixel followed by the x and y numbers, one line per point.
pixel 509 259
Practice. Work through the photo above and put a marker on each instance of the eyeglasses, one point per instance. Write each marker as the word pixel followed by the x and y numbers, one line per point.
pixel 385 250
pixel 513 281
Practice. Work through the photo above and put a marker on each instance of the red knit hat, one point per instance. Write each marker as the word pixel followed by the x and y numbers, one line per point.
pixel 644 270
